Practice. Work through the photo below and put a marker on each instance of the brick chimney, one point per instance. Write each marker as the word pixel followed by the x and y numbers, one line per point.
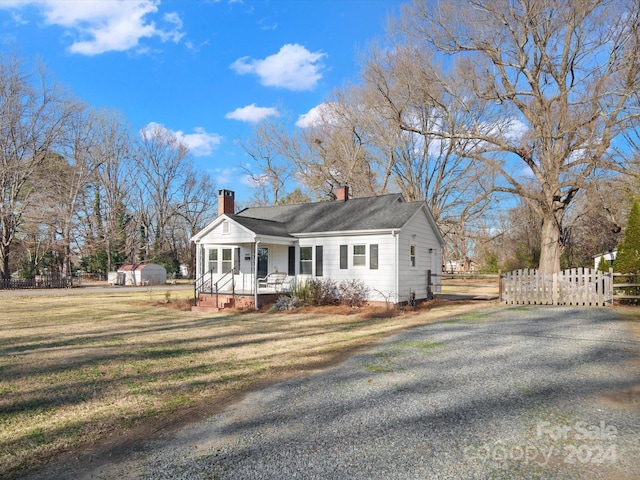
pixel 342 195
pixel 226 202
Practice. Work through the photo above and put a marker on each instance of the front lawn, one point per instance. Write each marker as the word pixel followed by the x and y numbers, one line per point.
pixel 84 370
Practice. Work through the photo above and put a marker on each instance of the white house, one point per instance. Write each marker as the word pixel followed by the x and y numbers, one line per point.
pixel 608 257
pixel 139 274
pixel 389 244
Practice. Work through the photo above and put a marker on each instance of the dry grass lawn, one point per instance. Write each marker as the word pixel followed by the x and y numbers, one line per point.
pixel 88 371
pixel 470 285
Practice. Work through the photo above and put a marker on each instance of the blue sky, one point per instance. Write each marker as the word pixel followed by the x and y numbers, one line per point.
pixel 206 70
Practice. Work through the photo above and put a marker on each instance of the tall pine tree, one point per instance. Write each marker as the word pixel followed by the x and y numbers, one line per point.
pixel 628 257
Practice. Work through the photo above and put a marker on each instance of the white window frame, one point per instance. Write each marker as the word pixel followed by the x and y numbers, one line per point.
pixel 226 265
pixel 306 261
pixel 212 264
pixel 413 257
pixel 362 257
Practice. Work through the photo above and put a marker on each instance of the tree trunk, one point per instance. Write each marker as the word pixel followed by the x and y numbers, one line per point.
pixel 550 247
pixel 108 247
pixel 5 274
pixel 66 260
pixel 5 245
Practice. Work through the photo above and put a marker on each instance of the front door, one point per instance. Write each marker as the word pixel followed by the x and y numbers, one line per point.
pixel 263 262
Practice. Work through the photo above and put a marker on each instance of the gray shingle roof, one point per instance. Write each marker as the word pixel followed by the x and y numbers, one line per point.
pixel 262 227
pixel 356 214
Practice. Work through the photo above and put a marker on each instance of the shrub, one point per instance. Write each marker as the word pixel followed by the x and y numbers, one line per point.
pixel 302 290
pixel 286 303
pixel 353 293
pixel 324 292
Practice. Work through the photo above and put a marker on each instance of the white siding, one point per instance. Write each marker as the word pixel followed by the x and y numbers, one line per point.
pixel 236 234
pixel 418 232
pixel 393 280
pixel 381 281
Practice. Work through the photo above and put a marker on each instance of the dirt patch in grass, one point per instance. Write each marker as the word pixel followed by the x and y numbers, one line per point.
pixel 93 375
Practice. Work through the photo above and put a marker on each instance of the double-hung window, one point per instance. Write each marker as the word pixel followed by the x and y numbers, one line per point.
pixel 359 255
pixel 306 257
pixel 412 255
pixel 227 263
pixel 213 260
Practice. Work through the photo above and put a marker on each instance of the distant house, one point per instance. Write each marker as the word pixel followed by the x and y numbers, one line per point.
pixel 139 274
pixel 608 257
pixel 385 242
pixel 458 266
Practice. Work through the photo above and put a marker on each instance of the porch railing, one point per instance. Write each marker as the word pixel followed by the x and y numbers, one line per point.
pixel 205 284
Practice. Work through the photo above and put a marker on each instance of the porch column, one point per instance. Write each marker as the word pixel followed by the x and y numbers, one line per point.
pixel 255 273
pixel 199 260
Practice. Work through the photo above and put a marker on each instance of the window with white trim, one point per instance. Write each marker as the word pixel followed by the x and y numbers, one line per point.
pixel 227 260
pixel 412 255
pixel 306 257
pixel 359 255
pixel 213 260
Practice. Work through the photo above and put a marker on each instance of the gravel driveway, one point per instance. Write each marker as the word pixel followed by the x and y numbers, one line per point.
pixel 540 392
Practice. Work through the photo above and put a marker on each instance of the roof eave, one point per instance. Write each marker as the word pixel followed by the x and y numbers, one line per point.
pixel 347 232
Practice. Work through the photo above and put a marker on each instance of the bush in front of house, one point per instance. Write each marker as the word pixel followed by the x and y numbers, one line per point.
pixel 324 292
pixel 286 303
pixel 353 292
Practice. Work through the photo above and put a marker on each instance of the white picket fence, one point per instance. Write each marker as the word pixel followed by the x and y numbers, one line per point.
pixel 576 286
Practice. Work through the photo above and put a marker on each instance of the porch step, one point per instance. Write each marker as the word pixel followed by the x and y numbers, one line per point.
pixel 210 308
pixel 207 303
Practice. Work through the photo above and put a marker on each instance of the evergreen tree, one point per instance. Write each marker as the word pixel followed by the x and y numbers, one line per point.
pixel 603 265
pixel 628 258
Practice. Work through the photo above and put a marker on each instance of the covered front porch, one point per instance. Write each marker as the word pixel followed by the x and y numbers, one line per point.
pixel 244 275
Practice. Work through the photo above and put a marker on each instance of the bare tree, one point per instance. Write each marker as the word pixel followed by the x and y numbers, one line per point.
pixel 108 220
pixel 161 160
pixel 547 87
pixel 596 221
pixel 336 149
pixel 66 178
pixel 33 115
pixel 270 170
pixel 198 206
pixel 404 105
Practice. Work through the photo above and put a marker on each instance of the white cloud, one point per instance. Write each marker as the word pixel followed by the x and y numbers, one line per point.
pixel 253 182
pixel 312 117
pixel 516 129
pixel 200 143
pixel 511 129
pixel 100 26
pixel 293 67
pixel 225 176
pixel 252 113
